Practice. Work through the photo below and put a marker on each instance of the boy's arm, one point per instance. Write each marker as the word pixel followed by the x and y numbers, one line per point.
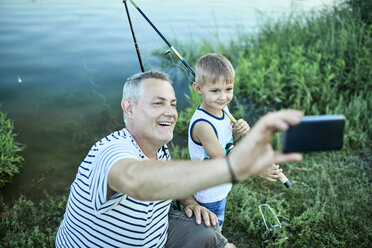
pixel 204 133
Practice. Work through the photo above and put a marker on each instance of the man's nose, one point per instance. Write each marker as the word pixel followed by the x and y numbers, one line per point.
pixel 170 110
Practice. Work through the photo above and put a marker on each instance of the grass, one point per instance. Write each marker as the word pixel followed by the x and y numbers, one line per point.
pixel 29 224
pixel 10 159
pixel 318 63
pixel 327 205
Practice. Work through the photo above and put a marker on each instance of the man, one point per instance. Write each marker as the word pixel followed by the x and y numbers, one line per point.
pixel 122 191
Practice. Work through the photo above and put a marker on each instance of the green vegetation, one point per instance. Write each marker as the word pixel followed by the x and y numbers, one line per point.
pixel 10 160
pixel 319 63
pixel 327 205
pixel 30 224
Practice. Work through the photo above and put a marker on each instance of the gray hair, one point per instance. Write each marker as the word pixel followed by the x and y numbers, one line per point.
pixel 131 87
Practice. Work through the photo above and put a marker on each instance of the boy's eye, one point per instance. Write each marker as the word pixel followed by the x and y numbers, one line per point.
pixel 229 89
pixel 214 91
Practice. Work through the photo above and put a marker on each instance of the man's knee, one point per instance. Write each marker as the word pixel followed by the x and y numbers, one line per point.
pixel 209 237
pixel 184 232
pixel 206 235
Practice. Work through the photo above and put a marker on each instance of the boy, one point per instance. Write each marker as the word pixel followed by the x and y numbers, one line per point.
pixel 211 133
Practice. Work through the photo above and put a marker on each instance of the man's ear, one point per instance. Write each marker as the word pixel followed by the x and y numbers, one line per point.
pixel 127 107
pixel 196 87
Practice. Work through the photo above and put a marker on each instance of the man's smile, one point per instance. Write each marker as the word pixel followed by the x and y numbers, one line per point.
pixel 165 123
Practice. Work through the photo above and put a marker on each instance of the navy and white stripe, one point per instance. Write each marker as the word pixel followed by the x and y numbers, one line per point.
pixel 91 220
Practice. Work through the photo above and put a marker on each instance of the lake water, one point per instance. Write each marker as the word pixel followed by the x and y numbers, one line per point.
pixel 73 58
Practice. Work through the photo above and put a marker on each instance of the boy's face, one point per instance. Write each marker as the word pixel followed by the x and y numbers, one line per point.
pixel 215 95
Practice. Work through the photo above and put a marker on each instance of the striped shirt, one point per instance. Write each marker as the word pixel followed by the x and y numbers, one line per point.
pixel 92 220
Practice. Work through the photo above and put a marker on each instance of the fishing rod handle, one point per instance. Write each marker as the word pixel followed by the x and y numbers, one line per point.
pixel 284 180
pixel 227 112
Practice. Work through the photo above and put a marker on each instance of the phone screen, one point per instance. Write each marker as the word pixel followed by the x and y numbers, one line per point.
pixel 315 133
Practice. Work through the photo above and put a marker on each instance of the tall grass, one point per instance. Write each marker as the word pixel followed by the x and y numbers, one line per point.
pixel 319 63
pixel 10 159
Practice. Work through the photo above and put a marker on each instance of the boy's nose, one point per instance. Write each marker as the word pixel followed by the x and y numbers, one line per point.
pixel 223 96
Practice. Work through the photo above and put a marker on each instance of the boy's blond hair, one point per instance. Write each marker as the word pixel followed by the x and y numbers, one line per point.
pixel 213 68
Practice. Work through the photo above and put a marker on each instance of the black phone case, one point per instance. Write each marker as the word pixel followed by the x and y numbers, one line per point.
pixel 315 133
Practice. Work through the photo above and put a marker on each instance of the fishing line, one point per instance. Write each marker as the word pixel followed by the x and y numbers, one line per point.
pixel 168 52
pixel 96 86
pixel 164 39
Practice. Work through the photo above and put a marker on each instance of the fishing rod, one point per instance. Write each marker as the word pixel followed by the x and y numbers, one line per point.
pixel 164 39
pixel 226 110
pixel 134 36
pixel 283 178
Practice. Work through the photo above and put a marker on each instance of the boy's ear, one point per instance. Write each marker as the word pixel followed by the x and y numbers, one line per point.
pixel 196 87
pixel 127 107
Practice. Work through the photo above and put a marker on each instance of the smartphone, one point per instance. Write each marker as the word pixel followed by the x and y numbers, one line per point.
pixel 315 133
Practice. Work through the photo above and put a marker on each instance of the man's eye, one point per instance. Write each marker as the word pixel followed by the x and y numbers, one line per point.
pixel 157 103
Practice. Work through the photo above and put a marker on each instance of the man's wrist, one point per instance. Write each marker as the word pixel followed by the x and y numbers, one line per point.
pixel 232 174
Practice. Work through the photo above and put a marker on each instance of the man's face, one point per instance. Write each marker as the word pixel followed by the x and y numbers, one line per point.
pixel 155 114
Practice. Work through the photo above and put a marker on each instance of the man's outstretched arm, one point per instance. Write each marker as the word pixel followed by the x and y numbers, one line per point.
pixel 160 180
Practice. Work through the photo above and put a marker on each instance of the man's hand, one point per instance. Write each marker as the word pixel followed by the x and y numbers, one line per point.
pixel 272 173
pixel 191 207
pixel 240 128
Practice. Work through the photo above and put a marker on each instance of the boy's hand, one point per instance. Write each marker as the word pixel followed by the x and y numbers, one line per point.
pixel 255 154
pixel 240 128
pixel 272 173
